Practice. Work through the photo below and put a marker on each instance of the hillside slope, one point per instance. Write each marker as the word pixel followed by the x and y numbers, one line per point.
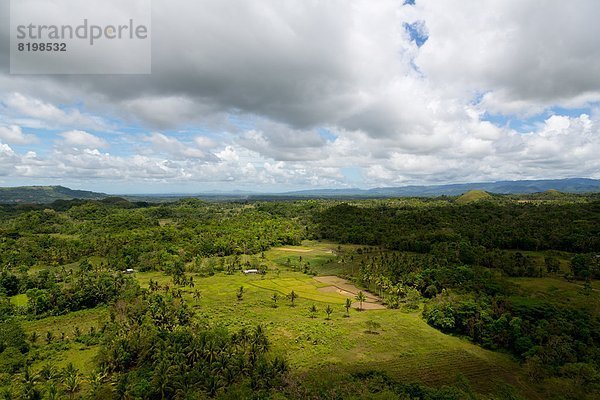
pixel 473 195
pixel 44 194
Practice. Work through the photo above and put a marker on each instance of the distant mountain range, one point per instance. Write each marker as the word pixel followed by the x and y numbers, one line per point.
pixel 570 185
pixel 48 194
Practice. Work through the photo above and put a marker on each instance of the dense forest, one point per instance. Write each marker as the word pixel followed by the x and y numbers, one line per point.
pixel 456 264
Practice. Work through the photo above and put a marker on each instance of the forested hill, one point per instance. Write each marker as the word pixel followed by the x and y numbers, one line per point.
pixel 44 194
pixel 571 185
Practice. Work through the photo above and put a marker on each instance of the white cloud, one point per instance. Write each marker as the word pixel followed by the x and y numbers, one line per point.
pixel 40 114
pixel 14 135
pixel 280 142
pixel 205 142
pixel 267 80
pixel 560 147
pixel 176 149
pixel 524 54
pixel 82 139
pixel 8 159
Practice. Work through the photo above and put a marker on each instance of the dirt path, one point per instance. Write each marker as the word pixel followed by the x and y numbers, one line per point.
pixel 295 250
pixel 345 288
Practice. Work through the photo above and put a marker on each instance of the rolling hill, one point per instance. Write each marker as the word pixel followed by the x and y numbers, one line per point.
pixel 543 189
pixel 570 185
pixel 44 194
pixel 473 195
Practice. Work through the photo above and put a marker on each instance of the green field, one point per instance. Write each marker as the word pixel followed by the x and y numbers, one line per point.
pixel 404 346
pixel 561 292
pixel 61 353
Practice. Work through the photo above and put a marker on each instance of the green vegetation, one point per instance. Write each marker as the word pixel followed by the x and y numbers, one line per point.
pixel 473 195
pixel 44 194
pixel 460 299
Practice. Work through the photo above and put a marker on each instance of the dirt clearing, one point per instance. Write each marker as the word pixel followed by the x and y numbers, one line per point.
pixel 345 288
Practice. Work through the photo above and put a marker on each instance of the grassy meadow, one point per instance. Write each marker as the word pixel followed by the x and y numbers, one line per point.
pixel 402 345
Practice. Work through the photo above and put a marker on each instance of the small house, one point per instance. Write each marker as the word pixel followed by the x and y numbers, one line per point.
pixel 250 271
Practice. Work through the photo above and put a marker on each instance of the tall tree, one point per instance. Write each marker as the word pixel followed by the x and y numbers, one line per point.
pixel 347 306
pixel 293 296
pixel 360 297
pixel 328 311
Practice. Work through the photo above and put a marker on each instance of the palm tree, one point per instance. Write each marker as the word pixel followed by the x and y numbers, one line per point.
pixel 275 297
pixel 33 337
pixel 51 391
pixel 328 311
pixel 313 311
pixel 49 372
pixel 360 297
pixel 96 378
pixel 293 296
pixel 161 378
pixel 196 295
pixel 347 306
pixel 259 339
pixel 30 380
pixel 71 380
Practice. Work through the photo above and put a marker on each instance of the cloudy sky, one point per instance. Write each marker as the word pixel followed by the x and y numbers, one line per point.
pixel 273 95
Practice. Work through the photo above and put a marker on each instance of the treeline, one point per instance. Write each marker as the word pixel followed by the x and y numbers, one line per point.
pixel 551 340
pixel 567 227
pixel 155 351
pixel 458 259
pixel 139 235
pixel 60 292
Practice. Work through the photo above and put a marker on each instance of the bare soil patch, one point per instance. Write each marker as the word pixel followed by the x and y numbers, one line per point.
pixel 295 250
pixel 345 288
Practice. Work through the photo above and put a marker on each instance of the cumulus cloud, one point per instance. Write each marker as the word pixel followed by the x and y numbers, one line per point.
pixel 561 146
pixel 292 93
pixel 525 55
pixel 282 143
pixel 176 149
pixel 204 142
pixel 304 63
pixel 82 139
pixel 14 135
pixel 8 159
pixel 36 113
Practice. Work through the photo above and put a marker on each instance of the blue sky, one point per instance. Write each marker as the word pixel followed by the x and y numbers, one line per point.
pixel 280 96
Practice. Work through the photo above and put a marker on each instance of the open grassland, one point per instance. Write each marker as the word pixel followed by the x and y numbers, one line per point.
pixel 402 345
pixel 60 352
pixel 322 256
pixel 305 288
pixel 560 291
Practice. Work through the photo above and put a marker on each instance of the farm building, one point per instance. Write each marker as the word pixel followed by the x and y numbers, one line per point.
pixel 250 271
